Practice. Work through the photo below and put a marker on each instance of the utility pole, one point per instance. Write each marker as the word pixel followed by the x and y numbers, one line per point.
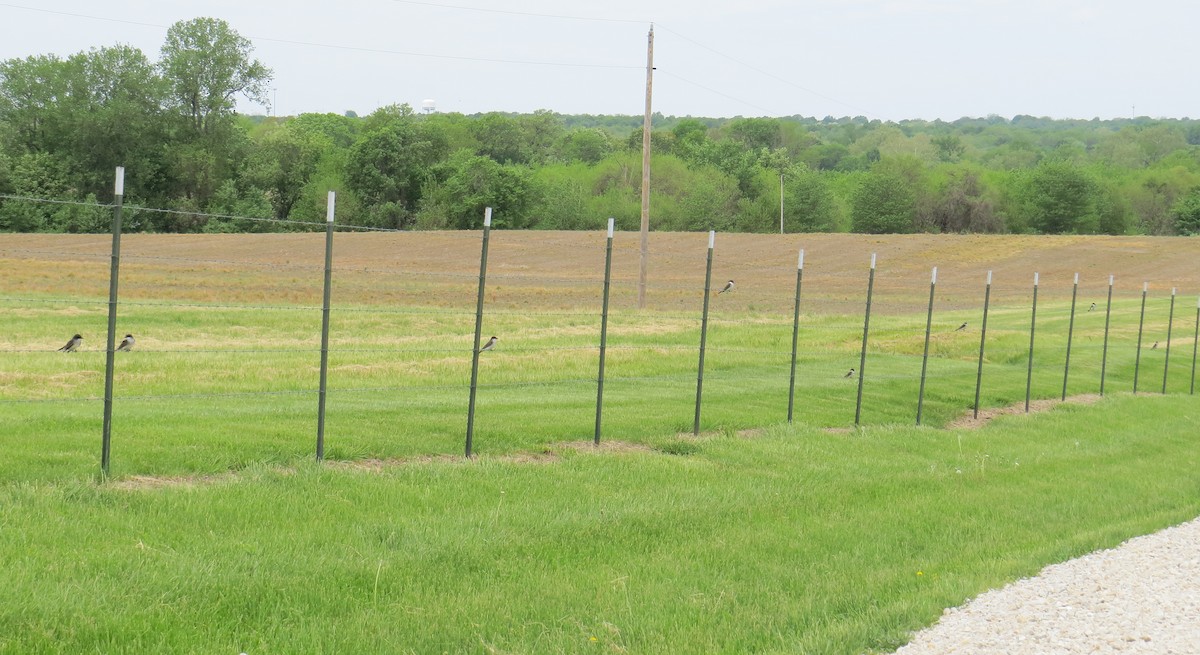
pixel 646 170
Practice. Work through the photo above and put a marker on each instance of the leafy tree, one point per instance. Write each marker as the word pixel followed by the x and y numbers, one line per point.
pixel 883 203
pixel 756 133
pixel 30 90
pixel 388 168
pixel 207 65
pixel 1058 199
pixel 472 183
pixel 949 147
pixel 283 162
pixel 588 144
pixel 1187 213
pixel 963 207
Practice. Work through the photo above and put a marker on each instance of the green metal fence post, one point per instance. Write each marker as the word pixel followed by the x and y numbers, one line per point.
pixel 109 359
pixel 1070 336
pixel 862 357
pixel 1137 362
pixel 1167 354
pixel 604 328
pixel 703 332
pixel 322 390
pixel 1032 330
pixel 987 297
pixel 487 232
pixel 1107 316
pixel 925 355
pixel 795 335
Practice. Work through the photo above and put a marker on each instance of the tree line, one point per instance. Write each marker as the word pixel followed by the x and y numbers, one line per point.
pixel 65 123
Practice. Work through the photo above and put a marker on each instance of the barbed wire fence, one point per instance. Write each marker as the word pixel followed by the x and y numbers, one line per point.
pixel 392 355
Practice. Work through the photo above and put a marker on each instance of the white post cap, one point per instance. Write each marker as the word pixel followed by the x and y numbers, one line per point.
pixel 800 263
pixel 119 184
pixel 487 217
pixel 611 221
pixel 712 237
pixel 329 207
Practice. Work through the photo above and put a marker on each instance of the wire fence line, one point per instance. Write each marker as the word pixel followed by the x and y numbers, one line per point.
pixel 763 365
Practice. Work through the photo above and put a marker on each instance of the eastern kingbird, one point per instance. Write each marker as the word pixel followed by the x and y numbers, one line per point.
pixel 961 328
pixel 850 374
pixel 491 343
pixel 71 345
pixel 1092 307
pixel 126 344
pixel 728 287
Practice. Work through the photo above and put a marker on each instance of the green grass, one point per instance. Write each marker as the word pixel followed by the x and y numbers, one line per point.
pixel 795 541
pixel 212 388
pixel 218 533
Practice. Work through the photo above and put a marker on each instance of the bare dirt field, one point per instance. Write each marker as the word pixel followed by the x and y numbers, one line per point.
pixel 565 269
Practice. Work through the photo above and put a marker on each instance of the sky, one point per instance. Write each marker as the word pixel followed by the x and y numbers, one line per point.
pixel 884 59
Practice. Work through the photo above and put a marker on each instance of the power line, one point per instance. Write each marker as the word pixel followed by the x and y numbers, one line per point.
pixel 315 44
pixel 765 72
pixel 520 13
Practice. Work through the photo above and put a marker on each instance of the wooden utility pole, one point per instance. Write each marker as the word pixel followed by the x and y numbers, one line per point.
pixel 646 170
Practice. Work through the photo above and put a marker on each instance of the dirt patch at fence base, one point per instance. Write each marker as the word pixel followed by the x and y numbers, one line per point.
pixel 549 455
pixel 604 447
pixel 969 422
pixel 150 483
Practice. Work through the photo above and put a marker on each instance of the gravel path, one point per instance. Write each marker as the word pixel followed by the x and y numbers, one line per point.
pixel 1141 597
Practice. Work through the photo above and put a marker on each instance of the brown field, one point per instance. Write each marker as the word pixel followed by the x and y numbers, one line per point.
pixel 549 270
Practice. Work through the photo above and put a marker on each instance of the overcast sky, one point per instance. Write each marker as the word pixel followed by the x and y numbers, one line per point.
pixel 886 59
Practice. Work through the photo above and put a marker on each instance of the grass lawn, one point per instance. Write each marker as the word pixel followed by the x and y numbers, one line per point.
pixel 218 533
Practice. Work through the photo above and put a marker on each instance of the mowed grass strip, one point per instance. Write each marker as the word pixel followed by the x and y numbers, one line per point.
pixel 793 541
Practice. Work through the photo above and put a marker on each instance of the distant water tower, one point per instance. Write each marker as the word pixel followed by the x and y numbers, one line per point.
pixel 428 106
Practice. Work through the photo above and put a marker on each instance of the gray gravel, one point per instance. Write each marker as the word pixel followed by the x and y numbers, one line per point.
pixel 1141 597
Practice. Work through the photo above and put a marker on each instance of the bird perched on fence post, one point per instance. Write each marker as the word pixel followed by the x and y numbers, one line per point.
pixel 72 345
pixel 961 328
pixel 126 344
pixel 850 374
pixel 491 343
pixel 728 287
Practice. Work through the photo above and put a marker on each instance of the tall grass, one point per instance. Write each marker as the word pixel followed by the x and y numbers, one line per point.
pixel 794 541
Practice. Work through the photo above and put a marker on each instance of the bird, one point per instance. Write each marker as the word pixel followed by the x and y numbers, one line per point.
pixel 1092 307
pixel 850 374
pixel 1154 346
pixel 71 345
pixel 728 287
pixel 126 344
pixel 491 343
pixel 961 328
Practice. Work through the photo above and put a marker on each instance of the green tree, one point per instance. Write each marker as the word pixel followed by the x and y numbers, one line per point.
pixel 883 203
pixel 282 164
pixel 962 206
pixel 1058 199
pixel 1187 213
pixel 388 167
pixel 207 65
pixel 470 183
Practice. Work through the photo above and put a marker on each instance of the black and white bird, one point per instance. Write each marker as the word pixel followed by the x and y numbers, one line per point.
pixel 126 344
pixel 1092 307
pixel 1154 346
pixel 849 374
pixel 72 345
pixel 961 328
pixel 728 287
pixel 491 343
